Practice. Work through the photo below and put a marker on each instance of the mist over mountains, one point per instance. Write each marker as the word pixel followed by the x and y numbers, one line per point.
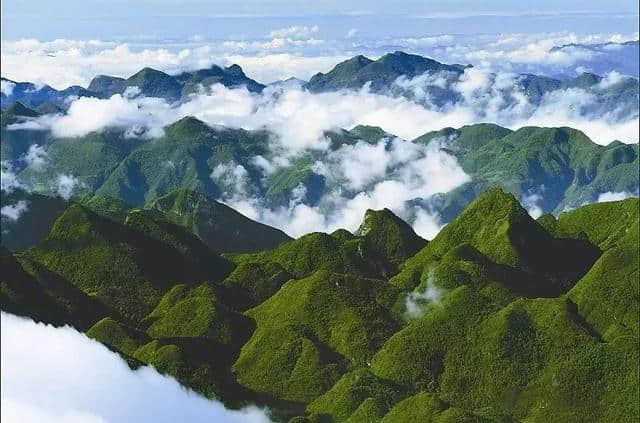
pixel 293 166
pixel 425 81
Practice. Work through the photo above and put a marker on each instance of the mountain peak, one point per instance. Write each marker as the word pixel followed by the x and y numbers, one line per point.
pixel 105 84
pixel 219 226
pixel 149 71
pixel 389 236
pixel 491 222
pixel 187 126
pixel 354 73
pixel 154 83
pixel 236 70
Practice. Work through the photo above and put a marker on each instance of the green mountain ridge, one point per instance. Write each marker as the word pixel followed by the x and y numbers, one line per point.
pixel 561 166
pixel 557 168
pixel 499 318
pixel 218 226
pixel 381 73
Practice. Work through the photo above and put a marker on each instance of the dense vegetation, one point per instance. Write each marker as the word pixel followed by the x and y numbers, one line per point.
pixel 499 318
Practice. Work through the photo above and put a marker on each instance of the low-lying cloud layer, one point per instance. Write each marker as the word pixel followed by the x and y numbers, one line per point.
pixel 365 175
pixel 300 117
pixel 58 374
pixel 388 174
pixel 426 296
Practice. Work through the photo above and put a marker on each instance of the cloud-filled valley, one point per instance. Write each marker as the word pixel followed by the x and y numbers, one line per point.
pixel 362 175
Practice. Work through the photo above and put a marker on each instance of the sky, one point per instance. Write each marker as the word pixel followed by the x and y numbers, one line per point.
pixel 176 19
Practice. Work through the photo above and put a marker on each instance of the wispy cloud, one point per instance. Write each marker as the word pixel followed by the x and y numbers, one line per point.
pixel 295 31
pixel 424 297
pixel 14 211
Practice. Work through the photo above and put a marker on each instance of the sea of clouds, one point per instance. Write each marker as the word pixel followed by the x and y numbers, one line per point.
pixel 299 51
pixel 299 120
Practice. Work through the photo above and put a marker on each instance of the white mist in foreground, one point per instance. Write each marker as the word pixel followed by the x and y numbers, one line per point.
pixel 59 375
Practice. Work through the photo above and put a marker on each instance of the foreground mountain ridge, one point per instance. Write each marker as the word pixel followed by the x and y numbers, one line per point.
pixel 498 318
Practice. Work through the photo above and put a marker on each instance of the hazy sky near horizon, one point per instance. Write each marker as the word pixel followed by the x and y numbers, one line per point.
pixel 79 8
pixel 220 19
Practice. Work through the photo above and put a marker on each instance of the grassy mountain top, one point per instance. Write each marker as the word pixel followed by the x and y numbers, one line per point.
pixel 558 167
pixel 153 83
pixel 502 231
pixel 382 243
pixel 388 236
pixel 465 138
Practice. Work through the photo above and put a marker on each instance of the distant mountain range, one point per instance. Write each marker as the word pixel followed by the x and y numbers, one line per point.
pixel 391 74
pixel 499 318
pixel 623 57
pixel 147 82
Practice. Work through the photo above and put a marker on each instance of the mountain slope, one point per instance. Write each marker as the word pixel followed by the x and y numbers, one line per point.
pixel 498 318
pixel 185 157
pixel 33 95
pixel 127 267
pixel 435 84
pixel 555 168
pixel 219 226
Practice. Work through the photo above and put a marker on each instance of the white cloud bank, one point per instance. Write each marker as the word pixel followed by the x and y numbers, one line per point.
pixel 6 87
pixel 14 211
pixel 59 375
pixel 615 196
pixel 295 31
pixel 417 302
pixel 293 51
pixel 300 117
pixel 62 63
